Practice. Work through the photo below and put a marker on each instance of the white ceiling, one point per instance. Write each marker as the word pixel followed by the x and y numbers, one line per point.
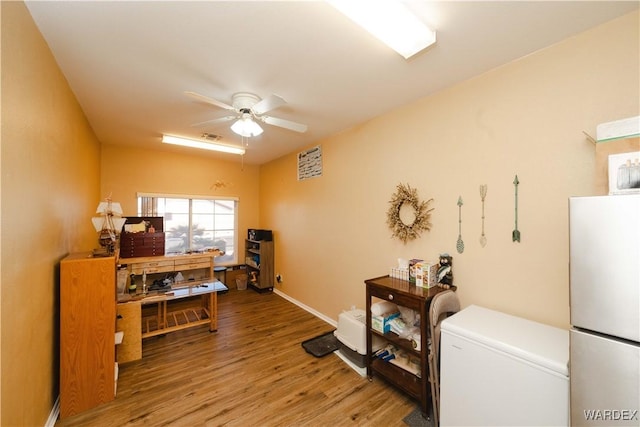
pixel 129 63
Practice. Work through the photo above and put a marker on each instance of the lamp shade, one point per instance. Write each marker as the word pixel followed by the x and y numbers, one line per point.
pixel 246 127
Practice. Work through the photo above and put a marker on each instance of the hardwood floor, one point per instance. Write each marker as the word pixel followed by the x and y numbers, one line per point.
pixel 252 372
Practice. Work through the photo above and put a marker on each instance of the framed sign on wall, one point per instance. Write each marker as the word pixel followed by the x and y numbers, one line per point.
pixel 310 163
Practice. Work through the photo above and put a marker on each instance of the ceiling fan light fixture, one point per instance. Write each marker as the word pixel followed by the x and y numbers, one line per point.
pixel 391 22
pixel 246 127
pixel 204 145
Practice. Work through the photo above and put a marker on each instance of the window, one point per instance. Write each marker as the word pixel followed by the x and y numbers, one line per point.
pixel 195 223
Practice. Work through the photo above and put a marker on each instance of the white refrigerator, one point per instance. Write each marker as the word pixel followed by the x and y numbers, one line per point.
pixel 604 239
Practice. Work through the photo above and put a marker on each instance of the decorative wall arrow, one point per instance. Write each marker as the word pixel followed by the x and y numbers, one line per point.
pixel 516 232
pixel 460 243
pixel 483 195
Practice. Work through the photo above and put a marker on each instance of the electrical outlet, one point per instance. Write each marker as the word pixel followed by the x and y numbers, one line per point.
pixel 278 278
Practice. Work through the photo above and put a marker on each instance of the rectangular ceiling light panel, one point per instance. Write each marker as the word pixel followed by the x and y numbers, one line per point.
pixel 204 145
pixel 391 22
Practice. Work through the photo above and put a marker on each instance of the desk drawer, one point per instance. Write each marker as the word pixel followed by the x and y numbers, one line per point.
pixel 395 297
pixel 152 267
pixel 193 263
pixel 141 252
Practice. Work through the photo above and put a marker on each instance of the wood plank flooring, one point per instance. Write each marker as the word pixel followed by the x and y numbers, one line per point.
pixel 252 372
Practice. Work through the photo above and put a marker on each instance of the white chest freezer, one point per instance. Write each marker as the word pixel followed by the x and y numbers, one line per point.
pixel 502 370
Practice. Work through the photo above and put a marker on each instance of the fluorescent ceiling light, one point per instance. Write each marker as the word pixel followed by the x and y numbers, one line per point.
pixel 195 143
pixel 391 22
pixel 246 127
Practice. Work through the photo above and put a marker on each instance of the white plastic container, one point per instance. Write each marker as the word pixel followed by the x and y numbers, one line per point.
pixel 352 337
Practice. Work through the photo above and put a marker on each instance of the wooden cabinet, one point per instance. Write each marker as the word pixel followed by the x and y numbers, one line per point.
pixel 402 293
pixel 259 260
pixel 141 244
pixel 87 332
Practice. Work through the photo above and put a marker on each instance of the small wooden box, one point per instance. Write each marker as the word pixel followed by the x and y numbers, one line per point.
pixel 141 244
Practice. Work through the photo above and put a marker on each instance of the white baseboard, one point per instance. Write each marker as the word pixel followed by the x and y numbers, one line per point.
pixel 307 308
pixel 361 371
pixel 53 415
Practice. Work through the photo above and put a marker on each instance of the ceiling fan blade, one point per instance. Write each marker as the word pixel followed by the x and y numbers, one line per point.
pixel 270 103
pixel 287 124
pixel 208 100
pixel 214 121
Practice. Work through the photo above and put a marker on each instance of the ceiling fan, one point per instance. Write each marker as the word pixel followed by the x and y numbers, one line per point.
pixel 248 109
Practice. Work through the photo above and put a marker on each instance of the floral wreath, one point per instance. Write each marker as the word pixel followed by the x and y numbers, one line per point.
pixel 406 195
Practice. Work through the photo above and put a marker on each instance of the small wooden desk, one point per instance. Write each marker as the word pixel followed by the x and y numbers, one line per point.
pixel 174 320
pixel 136 327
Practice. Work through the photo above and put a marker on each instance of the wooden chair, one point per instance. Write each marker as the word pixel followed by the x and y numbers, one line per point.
pixel 443 305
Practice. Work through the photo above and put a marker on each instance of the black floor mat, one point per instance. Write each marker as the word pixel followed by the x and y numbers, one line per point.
pixel 415 419
pixel 321 345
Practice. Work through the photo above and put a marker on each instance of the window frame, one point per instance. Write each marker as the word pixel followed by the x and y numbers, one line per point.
pixel 190 198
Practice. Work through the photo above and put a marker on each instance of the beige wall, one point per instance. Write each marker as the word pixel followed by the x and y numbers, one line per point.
pixel 525 118
pixel 50 187
pixel 127 171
